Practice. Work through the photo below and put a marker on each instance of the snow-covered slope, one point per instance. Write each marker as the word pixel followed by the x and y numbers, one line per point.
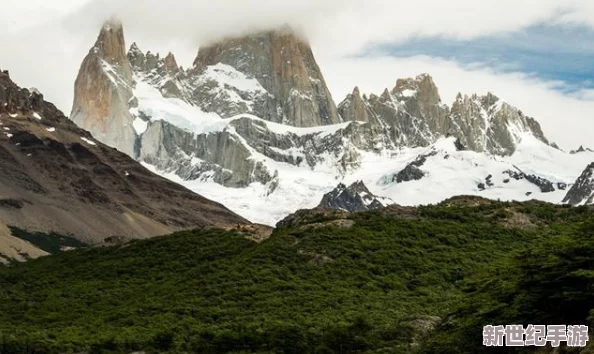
pixel 447 172
pixel 534 171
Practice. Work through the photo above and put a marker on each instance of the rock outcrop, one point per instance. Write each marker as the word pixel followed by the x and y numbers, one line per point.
pixel 410 113
pixel 409 173
pixel 354 198
pixel 580 150
pixel 582 191
pixel 543 184
pixel 412 171
pixel 103 90
pixel 56 178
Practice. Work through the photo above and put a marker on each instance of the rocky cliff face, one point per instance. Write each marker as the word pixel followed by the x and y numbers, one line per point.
pixel 221 156
pixel 355 108
pixel 103 90
pixel 55 177
pixel 285 67
pixel 353 198
pixel 582 191
pixel 486 123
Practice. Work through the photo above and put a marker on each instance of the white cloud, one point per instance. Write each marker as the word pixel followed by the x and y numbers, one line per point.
pixel 46 51
pixel 23 14
pixel 345 26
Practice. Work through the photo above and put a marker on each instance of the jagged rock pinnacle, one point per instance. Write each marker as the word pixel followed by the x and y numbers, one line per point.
pixel 111 45
pixel 353 108
pixel 136 57
pixel 415 111
pixel 385 95
pixel 171 64
pixel 423 84
pixel 102 89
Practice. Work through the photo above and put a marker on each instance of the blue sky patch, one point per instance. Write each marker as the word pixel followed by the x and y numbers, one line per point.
pixel 557 53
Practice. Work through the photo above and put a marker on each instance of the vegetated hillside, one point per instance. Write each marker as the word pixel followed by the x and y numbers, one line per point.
pixel 549 283
pixel 324 282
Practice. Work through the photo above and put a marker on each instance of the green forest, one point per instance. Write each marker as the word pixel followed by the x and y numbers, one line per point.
pixel 395 280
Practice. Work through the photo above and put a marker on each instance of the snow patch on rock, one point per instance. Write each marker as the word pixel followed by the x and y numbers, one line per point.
pixel 90 142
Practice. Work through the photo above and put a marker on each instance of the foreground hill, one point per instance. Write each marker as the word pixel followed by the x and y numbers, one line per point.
pixel 54 177
pixel 324 282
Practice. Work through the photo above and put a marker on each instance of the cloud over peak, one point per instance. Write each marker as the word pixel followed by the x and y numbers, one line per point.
pixel 46 51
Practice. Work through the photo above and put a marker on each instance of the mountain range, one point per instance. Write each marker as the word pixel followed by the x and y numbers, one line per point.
pixel 252 124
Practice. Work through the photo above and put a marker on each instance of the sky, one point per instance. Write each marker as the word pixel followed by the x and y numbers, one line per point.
pixel 538 55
